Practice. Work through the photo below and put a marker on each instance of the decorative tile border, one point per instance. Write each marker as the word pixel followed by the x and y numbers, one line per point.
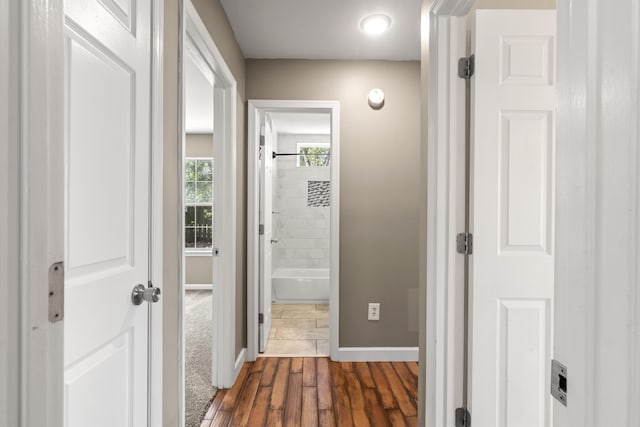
pixel 318 194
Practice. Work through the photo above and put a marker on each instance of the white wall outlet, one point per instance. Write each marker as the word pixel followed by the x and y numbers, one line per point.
pixel 374 311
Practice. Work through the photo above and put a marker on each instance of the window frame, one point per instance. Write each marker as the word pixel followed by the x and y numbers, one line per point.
pixel 196 251
pixel 300 145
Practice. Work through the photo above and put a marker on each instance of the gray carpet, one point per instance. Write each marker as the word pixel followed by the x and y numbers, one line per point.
pixel 198 335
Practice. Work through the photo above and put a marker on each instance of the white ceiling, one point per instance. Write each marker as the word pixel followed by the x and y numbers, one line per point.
pixel 198 97
pixel 324 29
pixel 302 123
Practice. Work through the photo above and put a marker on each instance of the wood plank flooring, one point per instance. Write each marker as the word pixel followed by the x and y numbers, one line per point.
pixel 304 392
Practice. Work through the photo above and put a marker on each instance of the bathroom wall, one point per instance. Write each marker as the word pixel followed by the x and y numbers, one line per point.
pixel 302 231
pixel 198 268
pixel 379 185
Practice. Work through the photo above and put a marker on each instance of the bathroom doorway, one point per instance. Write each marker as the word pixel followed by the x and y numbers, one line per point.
pixel 293 228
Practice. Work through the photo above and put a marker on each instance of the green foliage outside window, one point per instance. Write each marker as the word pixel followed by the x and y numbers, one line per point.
pixel 198 181
pixel 313 156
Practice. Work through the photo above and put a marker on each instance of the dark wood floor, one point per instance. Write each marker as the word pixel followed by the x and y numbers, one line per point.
pixel 317 392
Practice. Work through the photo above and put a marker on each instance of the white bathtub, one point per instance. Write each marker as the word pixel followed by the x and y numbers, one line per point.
pixel 300 285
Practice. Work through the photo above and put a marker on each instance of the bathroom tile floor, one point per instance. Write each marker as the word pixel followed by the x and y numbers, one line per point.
pixel 298 330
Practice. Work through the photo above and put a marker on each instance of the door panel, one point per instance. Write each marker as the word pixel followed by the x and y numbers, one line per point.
pixel 266 215
pixel 512 217
pixel 107 121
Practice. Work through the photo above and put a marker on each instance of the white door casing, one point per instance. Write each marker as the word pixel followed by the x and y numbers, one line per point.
pixel 512 170
pixel 266 221
pixel 256 108
pixel 597 306
pixel 107 177
pixel 226 363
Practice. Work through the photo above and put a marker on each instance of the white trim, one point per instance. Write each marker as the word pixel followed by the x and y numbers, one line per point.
pixel 442 281
pixel 253 139
pixel 156 377
pixel 42 194
pixel 9 215
pixel 240 361
pixel 195 35
pixel 198 287
pixel 444 310
pixel 378 354
pixel 198 253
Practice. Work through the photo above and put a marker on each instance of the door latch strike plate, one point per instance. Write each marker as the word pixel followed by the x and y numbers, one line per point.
pixel 56 292
pixel 559 382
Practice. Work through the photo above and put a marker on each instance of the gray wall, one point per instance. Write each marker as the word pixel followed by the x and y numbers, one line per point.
pixel 215 19
pixel 379 186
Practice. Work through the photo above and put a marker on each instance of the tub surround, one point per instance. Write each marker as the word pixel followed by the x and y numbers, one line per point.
pixel 302 230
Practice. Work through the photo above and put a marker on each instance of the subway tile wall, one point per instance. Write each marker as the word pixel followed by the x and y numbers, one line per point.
pixel 302 231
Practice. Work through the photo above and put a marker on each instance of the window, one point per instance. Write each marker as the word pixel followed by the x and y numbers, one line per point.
pixel 198 204
pixel 313 154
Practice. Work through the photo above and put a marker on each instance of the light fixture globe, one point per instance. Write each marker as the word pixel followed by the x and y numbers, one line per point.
pixel 375 24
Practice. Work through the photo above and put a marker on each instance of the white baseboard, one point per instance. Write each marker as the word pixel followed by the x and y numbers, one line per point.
pixel 378 354
pixel 198 287
pixel 242 357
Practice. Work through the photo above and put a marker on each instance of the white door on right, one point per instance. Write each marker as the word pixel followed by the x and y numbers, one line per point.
pixel 512 176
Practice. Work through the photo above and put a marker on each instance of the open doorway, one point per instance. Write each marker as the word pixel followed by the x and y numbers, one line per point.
pixel 198 196
pixel 293 228
pixel 207 221
pixel 295 193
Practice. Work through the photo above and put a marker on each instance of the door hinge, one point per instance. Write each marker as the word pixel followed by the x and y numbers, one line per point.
pixel 261 229
pixel 260 319
pixel 463 417
pixel 215 252
pixel 466 67
pixel 262 140
pixel 464 243
pixel 56 292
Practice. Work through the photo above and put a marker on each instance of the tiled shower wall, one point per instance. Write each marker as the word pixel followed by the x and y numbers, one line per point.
pixel 302 231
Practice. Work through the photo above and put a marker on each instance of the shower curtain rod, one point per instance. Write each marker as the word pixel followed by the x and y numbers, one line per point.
pixel 274 154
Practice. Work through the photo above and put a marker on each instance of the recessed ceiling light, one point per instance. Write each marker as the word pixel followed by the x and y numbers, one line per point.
pixel 375 24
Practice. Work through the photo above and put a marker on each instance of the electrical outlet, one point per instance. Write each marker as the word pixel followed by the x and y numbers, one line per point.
pixel 374 311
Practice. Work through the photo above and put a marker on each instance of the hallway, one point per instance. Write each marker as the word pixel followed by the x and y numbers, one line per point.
pixel 315 391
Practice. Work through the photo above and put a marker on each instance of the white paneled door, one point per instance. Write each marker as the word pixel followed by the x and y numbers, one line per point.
pixel 107 132
pixel 266 238
pixel 512 218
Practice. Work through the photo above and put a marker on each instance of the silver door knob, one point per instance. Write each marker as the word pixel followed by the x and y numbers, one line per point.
pixel 141 293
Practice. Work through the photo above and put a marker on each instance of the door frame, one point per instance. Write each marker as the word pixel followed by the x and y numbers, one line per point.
pixel 443 165
pixel 255 107
pixel 194 34
pixel 37 110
